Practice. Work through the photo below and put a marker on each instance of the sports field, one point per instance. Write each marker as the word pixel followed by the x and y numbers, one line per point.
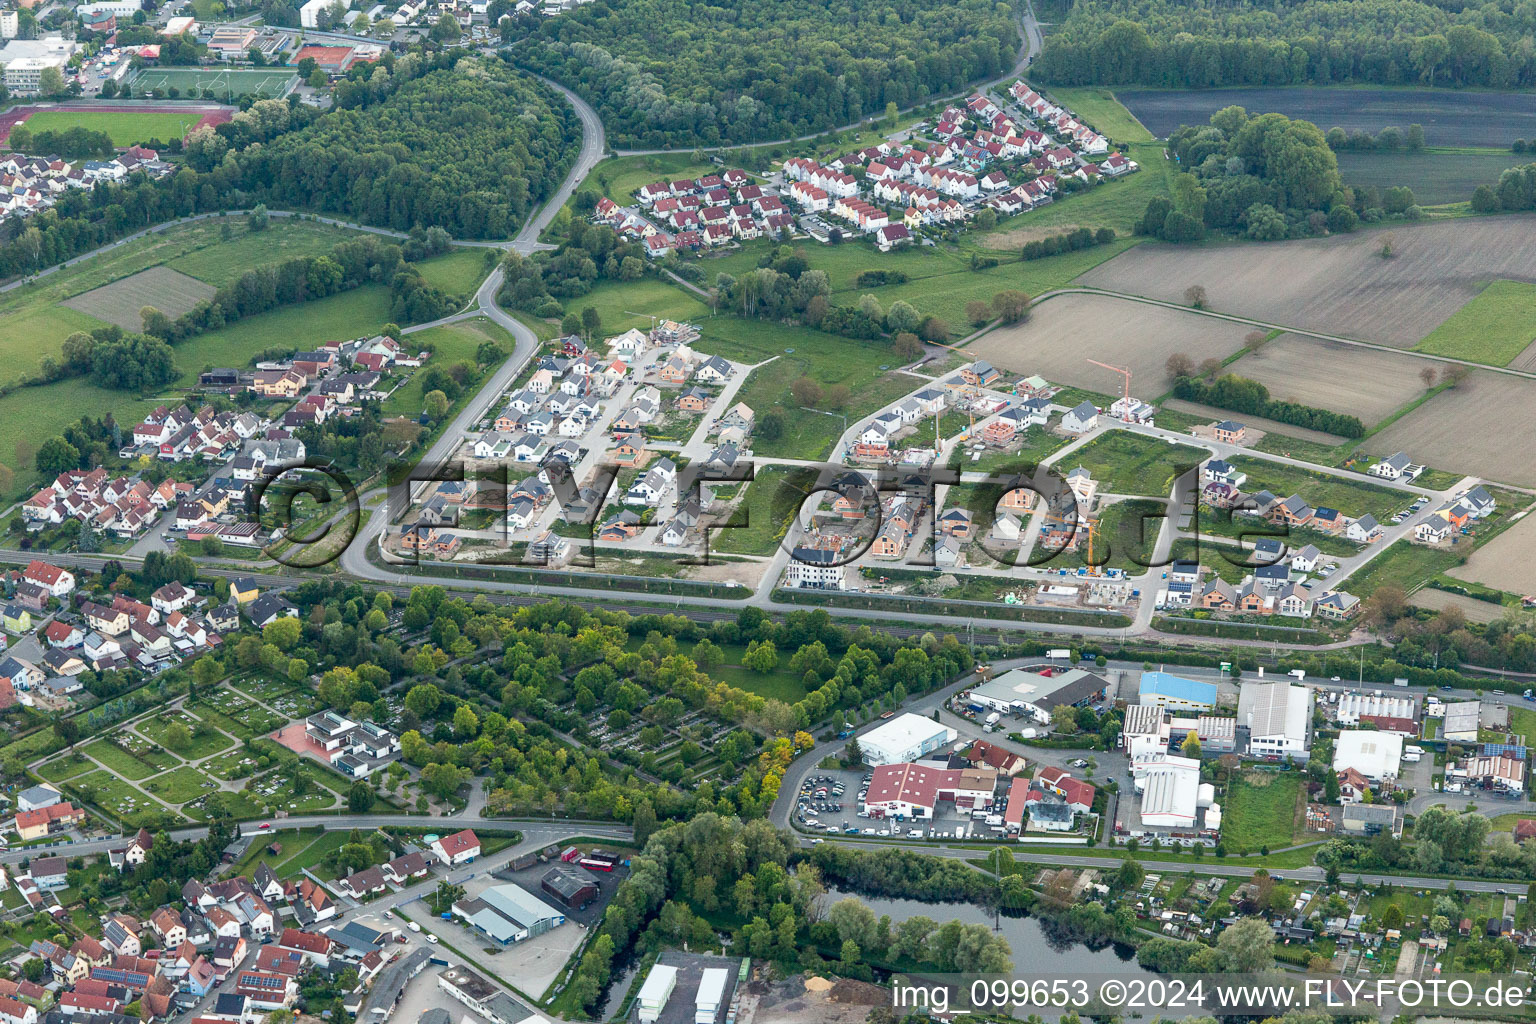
pixel 192 81
pixel 125 127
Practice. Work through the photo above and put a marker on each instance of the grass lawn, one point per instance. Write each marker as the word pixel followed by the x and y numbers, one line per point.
pixel 1493 328
pixel 293 844
pixel 772 499
pixel 180 786
pixel 945 296
pixel 864 368
pixel 780 684
pixel 284 238
pixel 1404 565
pixel 1098 108
pixel 130 766
pixel 1352 497
pixel 451 343
pixel 1126 463
pixel 1127 530
pixel 458 272
pixel 336 318
pixel 206 739
pixel 125 128
pixel 66 767
pixel 1260 810
pixel 622 305
pixel 619 177
pixel 311 855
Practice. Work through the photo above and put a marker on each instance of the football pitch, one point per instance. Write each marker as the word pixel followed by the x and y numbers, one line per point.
pixel 193 81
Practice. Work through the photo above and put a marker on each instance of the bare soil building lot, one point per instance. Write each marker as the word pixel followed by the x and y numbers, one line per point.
pixel 1477 427
pixel 1368 383
pixel 1339 285
pixel 1508 562
pixel 171 292
pixel 1064 333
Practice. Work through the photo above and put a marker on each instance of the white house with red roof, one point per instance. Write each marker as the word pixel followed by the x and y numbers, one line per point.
pixel 458 848
pixel 57 581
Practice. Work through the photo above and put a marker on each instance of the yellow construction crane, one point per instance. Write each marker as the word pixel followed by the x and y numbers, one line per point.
pixel 1125 412
pixel 1093 536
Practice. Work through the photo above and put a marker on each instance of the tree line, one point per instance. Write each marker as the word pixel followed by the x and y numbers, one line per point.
pixel 1514 191
pixel 1240 394
pixel 667 72
pixel 72 143
pixel 1210 43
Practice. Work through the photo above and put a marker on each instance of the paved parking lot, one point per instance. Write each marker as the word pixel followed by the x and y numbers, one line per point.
pixel 532 965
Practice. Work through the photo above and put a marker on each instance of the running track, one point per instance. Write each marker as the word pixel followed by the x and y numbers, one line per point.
pixel 211 114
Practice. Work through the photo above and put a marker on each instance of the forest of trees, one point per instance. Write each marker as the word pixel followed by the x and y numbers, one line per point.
pixel 1207 43
pixel 666 72
pixel 471 149
pixel 1266 176
pixel 466 145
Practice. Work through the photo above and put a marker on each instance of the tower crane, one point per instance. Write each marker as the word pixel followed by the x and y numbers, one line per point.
pixel 1125 410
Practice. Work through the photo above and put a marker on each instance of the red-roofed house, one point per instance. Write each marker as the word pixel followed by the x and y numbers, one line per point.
pixel 51 578
pixel 1077 793
pixel 459 848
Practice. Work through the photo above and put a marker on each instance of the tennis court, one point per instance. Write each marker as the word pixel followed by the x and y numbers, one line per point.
pixel 193 81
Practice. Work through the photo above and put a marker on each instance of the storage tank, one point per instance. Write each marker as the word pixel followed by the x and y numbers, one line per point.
pixel 1213 817
pixel 1207 795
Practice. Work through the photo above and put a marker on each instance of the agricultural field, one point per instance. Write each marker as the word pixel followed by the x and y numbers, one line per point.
pixel 1260 810
pixel 1127 463
pixel 1102 110
pixel 170 291
pixel 1472 609
pixel 1470 427
pixel 125 128
pixel 1339 285
pixel 1062 334
pixel 1369 383
pixel 1507 562
pixel 1498 327
pixel 1437 176
pixel 1450 117
pixel 1353 498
